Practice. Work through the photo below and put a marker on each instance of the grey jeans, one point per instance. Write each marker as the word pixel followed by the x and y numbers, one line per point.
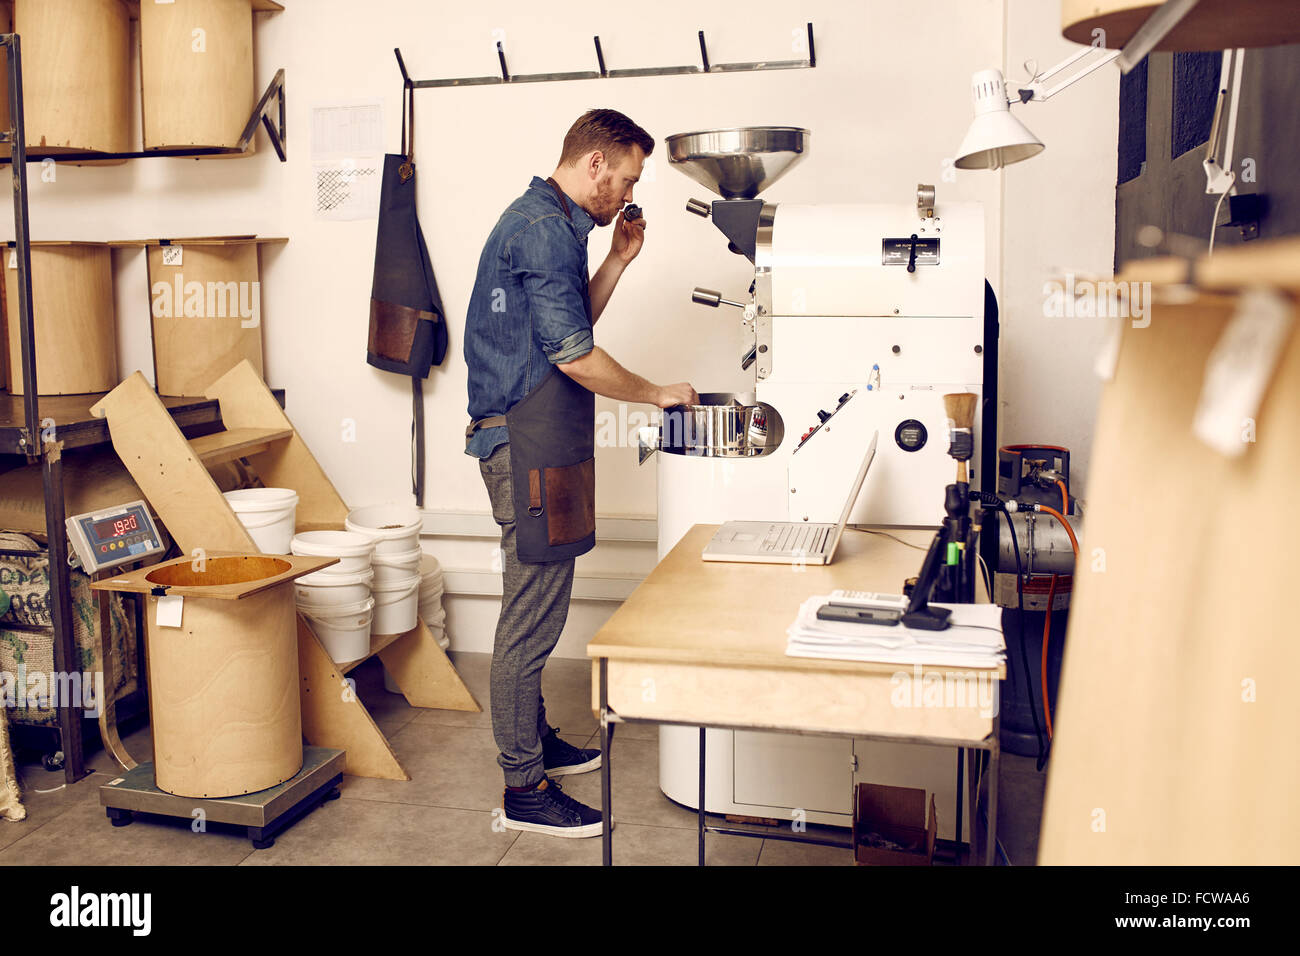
pixel 534 607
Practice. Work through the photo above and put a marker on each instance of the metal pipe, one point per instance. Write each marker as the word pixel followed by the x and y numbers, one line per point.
pixel 501 55
pixel 700 811
pixel 606 789
pixel 23 250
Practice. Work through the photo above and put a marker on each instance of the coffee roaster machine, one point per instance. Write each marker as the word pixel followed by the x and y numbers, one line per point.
pixel 859 318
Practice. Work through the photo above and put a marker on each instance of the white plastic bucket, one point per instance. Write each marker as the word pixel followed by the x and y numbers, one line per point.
pixel 397 568
pixel 395 529
pixel 321 588
pixel 268 514
pixel 344 629
pixel 352 548
pixel 431 591
pixel 396 606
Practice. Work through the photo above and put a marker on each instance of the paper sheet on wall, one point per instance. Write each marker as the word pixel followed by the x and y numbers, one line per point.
pixel 347 147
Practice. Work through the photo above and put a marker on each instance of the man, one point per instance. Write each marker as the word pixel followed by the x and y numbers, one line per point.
pixel 533 369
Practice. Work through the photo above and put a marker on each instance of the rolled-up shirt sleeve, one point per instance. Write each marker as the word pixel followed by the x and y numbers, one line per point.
pixel 552 268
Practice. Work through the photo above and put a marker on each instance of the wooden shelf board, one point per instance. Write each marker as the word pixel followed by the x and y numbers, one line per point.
pixel 236 443
pixel 377 643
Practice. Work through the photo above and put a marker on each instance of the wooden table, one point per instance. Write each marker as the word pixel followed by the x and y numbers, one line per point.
pixel 703 644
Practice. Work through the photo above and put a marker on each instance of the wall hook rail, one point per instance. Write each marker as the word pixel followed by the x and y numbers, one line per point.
pixel 602 70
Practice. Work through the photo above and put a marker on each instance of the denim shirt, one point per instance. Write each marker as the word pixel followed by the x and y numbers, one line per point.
pixel 527 311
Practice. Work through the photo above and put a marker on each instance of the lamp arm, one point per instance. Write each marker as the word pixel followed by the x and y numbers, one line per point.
pixel 1036 91
pixel 1157 26
pixel 1219 176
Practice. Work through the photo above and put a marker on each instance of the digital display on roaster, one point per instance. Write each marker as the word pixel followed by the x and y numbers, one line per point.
pixel 116 527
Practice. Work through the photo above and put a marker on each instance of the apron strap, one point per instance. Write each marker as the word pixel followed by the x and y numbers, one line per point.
pixel 492 421
pixel 559 194
pixel 417 439
pixel 535 492
pixel 407 169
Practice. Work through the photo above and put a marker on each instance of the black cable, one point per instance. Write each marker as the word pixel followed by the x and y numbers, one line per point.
pixel 918 547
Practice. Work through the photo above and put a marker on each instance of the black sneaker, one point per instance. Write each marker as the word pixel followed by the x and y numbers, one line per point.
pixel 560 758
pixel 548 809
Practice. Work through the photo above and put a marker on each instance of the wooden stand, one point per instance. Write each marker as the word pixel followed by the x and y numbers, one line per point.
pixel 172 473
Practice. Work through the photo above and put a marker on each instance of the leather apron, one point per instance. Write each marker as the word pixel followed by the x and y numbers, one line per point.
pixel 552 460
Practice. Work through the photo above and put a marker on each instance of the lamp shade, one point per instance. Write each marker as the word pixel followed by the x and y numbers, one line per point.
pixel 995 137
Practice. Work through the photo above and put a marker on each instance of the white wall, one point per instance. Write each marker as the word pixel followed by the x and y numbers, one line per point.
pixel 1058 214
pixel 887 104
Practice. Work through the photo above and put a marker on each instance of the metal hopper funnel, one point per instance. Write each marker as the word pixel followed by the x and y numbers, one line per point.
pixel 738 163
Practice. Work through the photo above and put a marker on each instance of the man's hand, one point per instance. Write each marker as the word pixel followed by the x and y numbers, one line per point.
pixel 628 238
pixel 680 394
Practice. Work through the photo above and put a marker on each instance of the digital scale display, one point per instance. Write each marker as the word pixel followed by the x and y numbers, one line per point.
pixel 103 539
pixel 116 527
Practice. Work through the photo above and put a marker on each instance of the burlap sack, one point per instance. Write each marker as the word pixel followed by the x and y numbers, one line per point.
pixel 27 636
pixel 11 807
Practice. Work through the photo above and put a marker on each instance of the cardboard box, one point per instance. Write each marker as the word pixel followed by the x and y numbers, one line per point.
pixel 898 814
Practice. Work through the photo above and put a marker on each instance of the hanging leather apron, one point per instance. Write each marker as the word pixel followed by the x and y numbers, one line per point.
pixel 408 332
pixel 552 461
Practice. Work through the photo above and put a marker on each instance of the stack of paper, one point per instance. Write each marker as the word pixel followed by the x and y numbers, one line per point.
pixel 973 639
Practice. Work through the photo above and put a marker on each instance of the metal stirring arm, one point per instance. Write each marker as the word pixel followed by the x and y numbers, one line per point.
pixel 714 299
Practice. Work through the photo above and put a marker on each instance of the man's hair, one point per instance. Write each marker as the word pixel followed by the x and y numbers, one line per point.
pixel 606 130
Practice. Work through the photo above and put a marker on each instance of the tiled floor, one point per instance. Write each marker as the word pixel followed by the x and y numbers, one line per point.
pixel 444 814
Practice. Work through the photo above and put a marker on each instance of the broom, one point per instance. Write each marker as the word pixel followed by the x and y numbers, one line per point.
pixel 960 408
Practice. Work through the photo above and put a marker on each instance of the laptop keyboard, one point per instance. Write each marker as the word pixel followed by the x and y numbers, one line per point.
pixel 806 538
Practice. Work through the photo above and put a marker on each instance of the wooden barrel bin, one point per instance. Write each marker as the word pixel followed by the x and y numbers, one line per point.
pixel 73 318
pixel 196 66
pixel 1210 25
pixel 76 75
pixel 223 686
pixel 205 303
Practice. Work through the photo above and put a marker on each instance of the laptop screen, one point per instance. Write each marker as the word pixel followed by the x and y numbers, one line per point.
pixel 853 494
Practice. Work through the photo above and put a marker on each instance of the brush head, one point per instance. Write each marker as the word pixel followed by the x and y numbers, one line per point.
pixel 960 407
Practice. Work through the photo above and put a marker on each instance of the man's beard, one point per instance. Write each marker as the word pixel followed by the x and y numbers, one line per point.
pixel 607 203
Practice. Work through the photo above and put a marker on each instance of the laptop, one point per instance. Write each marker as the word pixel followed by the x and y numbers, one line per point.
pixel 786 542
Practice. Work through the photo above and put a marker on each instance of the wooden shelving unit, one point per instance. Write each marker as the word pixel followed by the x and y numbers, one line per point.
pixel 21 430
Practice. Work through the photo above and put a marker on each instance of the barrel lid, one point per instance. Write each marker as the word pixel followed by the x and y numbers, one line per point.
pixel 222 575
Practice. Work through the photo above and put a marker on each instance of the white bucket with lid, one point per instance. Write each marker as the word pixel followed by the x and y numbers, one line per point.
pixel 397 567
pixel 267 514
pixel 344 629
pixel 396 605
pixel 352 548
pixel 395 529
pixel 321 588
